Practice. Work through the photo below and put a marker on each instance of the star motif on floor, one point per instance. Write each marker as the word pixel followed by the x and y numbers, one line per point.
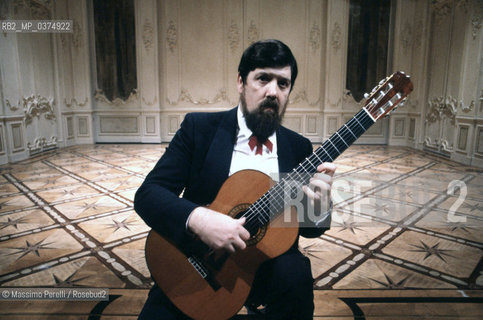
pixel 69 281
pixel 430 251
pixel 380 208
pixel 473 207
pixel 124 224
pixel 87 206
pixel 31 248
pixel 391 284
pixel 311 250
pixel 69 192
pixel 14 223
pixel 464 226
pixel 348 225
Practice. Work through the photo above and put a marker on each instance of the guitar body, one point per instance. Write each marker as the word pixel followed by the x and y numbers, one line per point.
pixel 183 284
pixel 215 286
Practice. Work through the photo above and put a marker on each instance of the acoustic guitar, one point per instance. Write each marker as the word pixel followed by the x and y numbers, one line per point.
pixel 210 285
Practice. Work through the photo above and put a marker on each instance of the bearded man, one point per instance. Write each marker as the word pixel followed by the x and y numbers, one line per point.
pixel 206 150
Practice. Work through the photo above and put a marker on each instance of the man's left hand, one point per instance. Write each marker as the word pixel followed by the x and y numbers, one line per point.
pixel 320 184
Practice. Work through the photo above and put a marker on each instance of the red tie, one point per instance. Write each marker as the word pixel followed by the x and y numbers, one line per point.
pixel 253 142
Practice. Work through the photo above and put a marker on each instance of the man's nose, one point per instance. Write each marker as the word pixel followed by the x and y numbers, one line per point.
pixel 272 89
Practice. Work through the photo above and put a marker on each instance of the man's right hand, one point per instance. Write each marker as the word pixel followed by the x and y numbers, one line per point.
pixel 217 230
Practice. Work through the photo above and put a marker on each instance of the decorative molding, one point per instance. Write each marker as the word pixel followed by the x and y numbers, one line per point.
pixel 148 35
pixel 468 108
pixel 442 8
pixel 446 146
pixel 186 97
pixel 74 102
pixel 301 96
pixel 252 33
pixel 133 97
pixel 38 9
pixel 35 105
pixel 76 35
pixel 233 36
pixel 440 108
pixel 443 143
pixel 314 39
pixel 13 108
pixel 406 35
pixel 475 26
pixel 171 36
pixel 42 144
pixel 347 98
pixel 149 103
pixel 336 37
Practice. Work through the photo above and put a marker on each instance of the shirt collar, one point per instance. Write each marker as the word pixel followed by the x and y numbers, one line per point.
pixel 245 132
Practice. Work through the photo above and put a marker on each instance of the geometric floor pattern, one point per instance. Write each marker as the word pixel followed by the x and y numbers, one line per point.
pixel 402 220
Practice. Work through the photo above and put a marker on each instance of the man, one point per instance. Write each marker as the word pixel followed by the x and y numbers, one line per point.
pixel 211 146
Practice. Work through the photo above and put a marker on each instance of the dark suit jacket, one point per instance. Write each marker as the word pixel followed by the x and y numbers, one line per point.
pixel 198 161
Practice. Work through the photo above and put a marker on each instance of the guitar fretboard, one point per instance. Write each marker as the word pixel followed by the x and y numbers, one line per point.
pixel 273 202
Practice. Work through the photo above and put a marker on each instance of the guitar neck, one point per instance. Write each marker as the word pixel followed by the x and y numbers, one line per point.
pixel 273 202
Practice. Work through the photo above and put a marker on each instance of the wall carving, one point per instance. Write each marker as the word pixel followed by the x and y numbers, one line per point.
pixel 252 33
pixel 468 108
pixel 148 35
pixel 185 96
pixel 148 103
pixel 233 36
pixel 133 97
pixel 418 34
pixel 406 36
pixel 76 34
pixel 441 108
pixel 301 96
pixel 336 37
pixel 38 9
pixel 42 144
pixel 74 102
pixel 314 39
pixel 36 105
pixel 171 36
pixel 475 26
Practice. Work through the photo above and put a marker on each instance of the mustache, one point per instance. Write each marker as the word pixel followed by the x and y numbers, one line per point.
pixel 269 104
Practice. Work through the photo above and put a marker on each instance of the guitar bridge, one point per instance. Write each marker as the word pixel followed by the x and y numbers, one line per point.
pixel 204 272
pixel 198 266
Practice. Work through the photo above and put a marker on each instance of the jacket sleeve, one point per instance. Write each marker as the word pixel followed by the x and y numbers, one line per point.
pixel 157 201
pixel 316 223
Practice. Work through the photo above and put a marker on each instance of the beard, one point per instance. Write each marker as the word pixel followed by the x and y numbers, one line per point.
pixel 264 120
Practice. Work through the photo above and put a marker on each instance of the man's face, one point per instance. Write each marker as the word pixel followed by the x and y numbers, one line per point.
pixel 264 98
pixel 266 83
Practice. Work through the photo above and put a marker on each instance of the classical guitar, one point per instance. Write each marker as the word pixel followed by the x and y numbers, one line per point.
pixel 208 285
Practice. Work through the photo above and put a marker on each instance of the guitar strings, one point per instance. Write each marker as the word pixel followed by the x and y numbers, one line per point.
pixel 275 192
pixel 344 135
pixel 262 205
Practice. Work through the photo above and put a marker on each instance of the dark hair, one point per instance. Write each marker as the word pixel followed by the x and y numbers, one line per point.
pixel 267 54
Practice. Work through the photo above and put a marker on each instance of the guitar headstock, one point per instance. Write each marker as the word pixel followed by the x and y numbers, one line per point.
pixel 388 94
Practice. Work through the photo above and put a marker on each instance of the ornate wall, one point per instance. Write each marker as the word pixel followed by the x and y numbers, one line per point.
pixel 187 56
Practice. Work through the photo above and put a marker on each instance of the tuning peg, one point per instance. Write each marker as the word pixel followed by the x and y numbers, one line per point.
pixel 366 95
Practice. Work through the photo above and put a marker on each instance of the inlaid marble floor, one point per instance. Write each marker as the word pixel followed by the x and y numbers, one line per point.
pixel 404 222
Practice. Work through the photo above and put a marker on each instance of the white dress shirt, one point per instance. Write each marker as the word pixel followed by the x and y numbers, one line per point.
pixel 245 158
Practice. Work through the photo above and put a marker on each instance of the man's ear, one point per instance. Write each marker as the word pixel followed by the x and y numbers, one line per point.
pixel 239 83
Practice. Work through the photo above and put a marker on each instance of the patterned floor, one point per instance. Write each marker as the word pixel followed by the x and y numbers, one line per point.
pixel 403 219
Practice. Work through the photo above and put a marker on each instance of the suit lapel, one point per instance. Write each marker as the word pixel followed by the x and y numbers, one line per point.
pixel 286 158
pixel 218 159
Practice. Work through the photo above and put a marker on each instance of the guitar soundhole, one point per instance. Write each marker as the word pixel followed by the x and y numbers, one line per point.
pixel 257 233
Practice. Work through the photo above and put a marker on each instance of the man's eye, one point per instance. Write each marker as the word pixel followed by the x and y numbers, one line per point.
pixel 283 84
pixel 263 79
